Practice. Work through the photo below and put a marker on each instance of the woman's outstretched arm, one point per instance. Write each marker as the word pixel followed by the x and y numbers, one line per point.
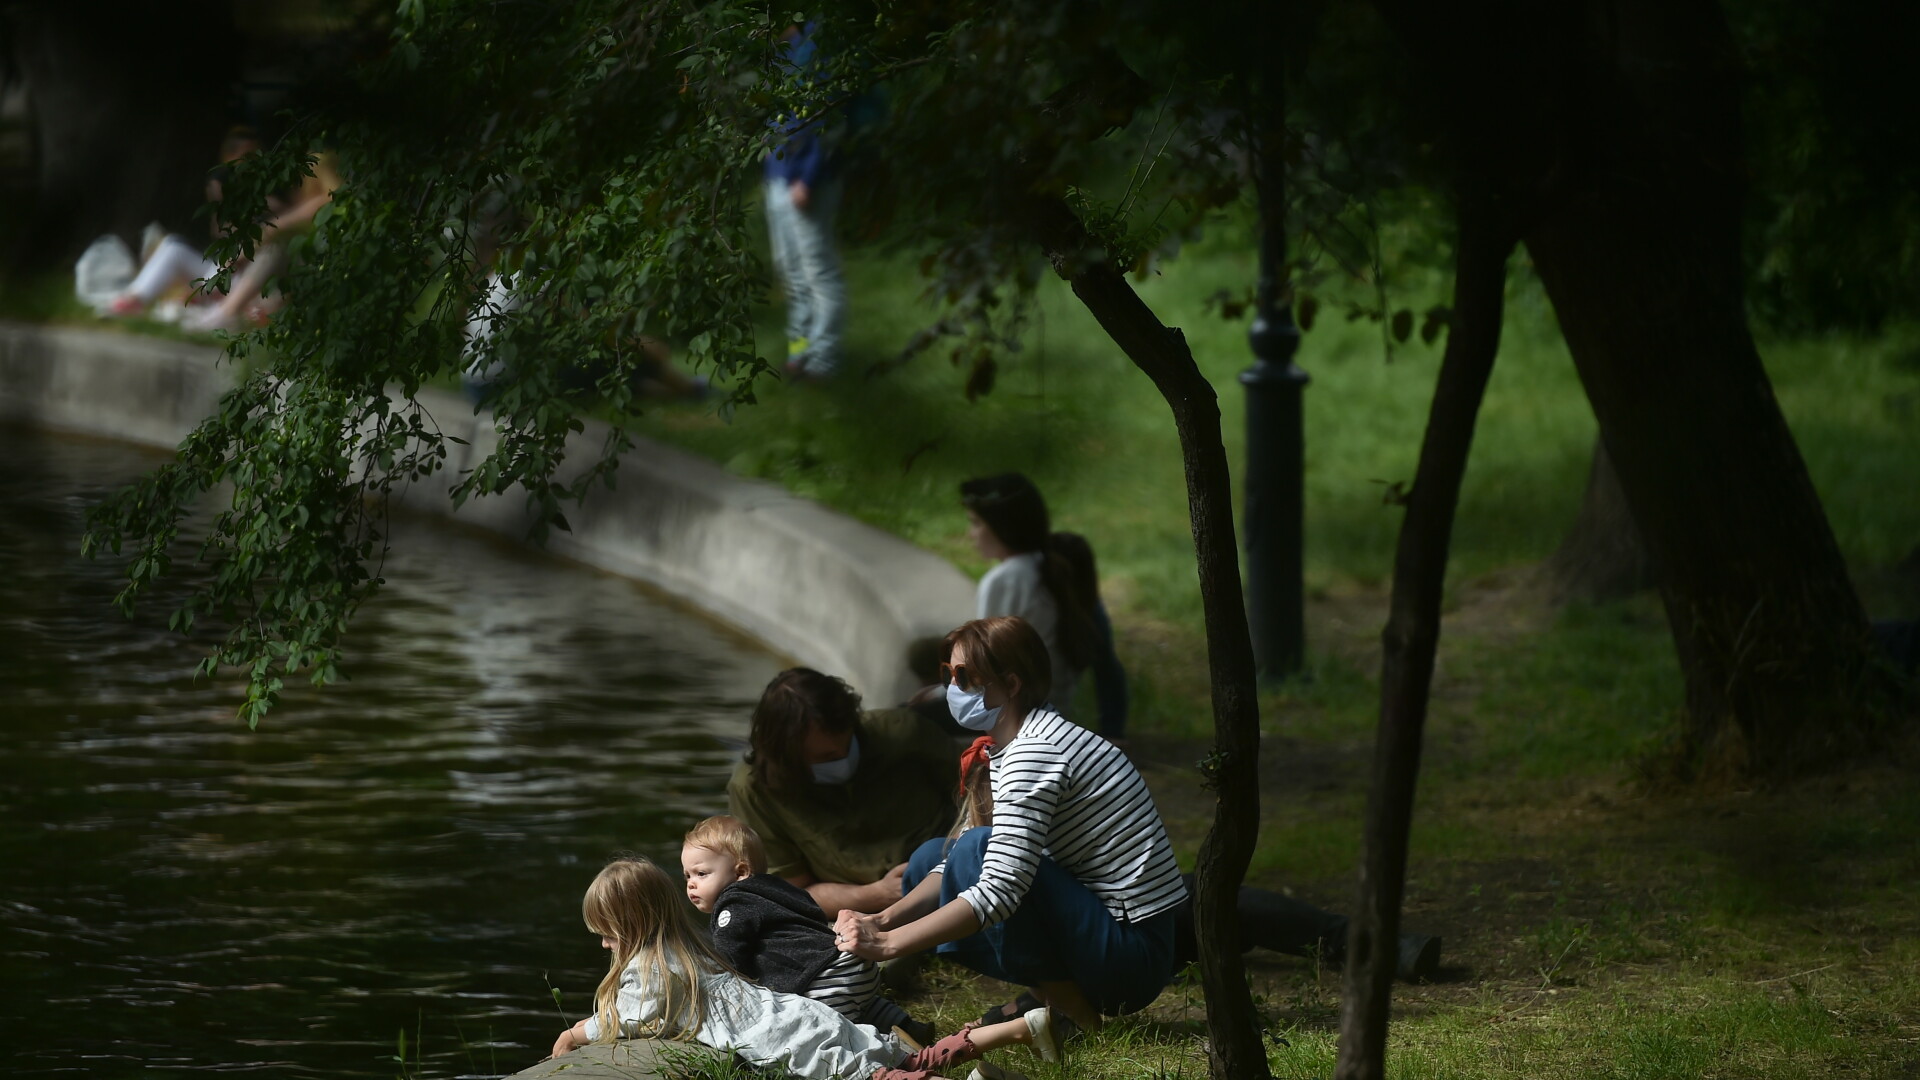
pixel 863 935
pixel 923 898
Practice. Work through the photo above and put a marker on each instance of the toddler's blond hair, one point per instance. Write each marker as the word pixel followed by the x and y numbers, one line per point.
pixel 732 837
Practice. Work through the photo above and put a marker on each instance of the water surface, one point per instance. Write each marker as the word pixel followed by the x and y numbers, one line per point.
pixel 179 894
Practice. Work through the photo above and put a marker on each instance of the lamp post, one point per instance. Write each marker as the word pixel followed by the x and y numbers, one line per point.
pixel 1276 448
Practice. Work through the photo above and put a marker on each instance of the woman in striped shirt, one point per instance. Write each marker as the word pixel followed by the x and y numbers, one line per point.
pixel 1072 890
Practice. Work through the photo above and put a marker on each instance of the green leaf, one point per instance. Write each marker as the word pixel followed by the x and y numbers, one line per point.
pixel 1308 310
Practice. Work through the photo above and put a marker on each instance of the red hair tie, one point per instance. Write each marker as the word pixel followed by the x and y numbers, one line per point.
pixel 975 754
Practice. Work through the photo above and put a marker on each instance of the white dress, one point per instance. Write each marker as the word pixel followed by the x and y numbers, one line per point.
pixel 1014 587
pixel 763 1026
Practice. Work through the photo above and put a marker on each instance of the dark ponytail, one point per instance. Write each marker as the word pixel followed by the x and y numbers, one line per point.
pixel 1069 574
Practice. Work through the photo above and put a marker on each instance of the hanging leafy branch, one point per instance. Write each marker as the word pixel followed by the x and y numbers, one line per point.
pixel 588 153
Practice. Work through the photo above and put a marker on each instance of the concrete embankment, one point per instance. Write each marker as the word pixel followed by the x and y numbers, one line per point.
pixel 628 1060
pixel 812 584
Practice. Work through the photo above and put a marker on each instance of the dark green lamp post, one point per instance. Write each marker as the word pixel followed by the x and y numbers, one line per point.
pixel 1272 528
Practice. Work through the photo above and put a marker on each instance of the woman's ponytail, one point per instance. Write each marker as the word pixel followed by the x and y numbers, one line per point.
pixel 1069 573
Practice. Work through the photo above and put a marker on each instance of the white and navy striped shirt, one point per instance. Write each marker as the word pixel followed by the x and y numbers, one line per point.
pixel 1061 790
pixel 846 985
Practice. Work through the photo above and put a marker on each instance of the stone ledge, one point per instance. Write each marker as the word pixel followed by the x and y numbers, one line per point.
pixel 831 592
pixel 629 1059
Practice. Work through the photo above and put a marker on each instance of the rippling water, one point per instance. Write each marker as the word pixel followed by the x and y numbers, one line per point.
pixel 406 850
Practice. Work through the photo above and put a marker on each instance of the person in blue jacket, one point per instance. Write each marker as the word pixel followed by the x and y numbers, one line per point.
pixel 803 193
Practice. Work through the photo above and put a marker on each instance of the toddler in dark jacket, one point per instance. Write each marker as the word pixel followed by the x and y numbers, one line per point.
pixel 772 932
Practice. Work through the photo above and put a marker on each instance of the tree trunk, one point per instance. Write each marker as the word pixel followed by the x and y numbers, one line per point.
pixel 128 119
pixel 1639 247
pixel 1411 638
pixel 1603 556
pixel 1234 1048
pixel 1624 165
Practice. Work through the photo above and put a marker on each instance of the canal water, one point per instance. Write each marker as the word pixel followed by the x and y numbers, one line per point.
pixel 402 852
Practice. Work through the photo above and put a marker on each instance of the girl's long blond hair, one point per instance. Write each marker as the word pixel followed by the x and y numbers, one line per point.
pixel 976 794
pixel 644 910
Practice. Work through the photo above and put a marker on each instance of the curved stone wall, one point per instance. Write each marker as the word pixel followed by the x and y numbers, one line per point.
pixel 830 592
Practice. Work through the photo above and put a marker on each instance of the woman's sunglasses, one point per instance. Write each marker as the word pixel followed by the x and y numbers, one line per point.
pixel 958 675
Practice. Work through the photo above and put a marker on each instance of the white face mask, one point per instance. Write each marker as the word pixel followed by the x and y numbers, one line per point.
pixel 969 708
pixel 841 771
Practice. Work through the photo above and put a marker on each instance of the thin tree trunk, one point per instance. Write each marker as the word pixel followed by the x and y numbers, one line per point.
pixel 1234 1051
pixel 1602 556
pixel 1234 1047
pixel 1412 635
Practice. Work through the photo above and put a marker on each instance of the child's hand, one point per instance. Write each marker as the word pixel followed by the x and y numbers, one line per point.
pixel 571 1039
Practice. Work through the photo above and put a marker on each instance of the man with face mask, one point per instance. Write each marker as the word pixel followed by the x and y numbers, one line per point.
pixel 841 797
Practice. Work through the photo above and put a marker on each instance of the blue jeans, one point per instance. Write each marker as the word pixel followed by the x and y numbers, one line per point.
pixel 1060 933
pixel 809 270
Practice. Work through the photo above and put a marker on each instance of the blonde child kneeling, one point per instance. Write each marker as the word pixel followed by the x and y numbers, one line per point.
pixel 771 931
pixel 665 981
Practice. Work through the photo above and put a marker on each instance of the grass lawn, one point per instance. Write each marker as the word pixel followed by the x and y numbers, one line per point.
pixel 1593 928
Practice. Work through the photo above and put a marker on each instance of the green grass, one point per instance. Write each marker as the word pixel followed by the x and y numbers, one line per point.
pixel 49 298
pixel 1702 1025
pixel 41 298
pixel 1599 685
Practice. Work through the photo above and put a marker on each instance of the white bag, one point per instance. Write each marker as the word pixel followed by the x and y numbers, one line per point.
pixel 103 272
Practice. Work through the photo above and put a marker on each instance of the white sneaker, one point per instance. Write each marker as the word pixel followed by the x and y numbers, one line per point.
pixel 987 1070
pixel 1046 1035
pixel 206 320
